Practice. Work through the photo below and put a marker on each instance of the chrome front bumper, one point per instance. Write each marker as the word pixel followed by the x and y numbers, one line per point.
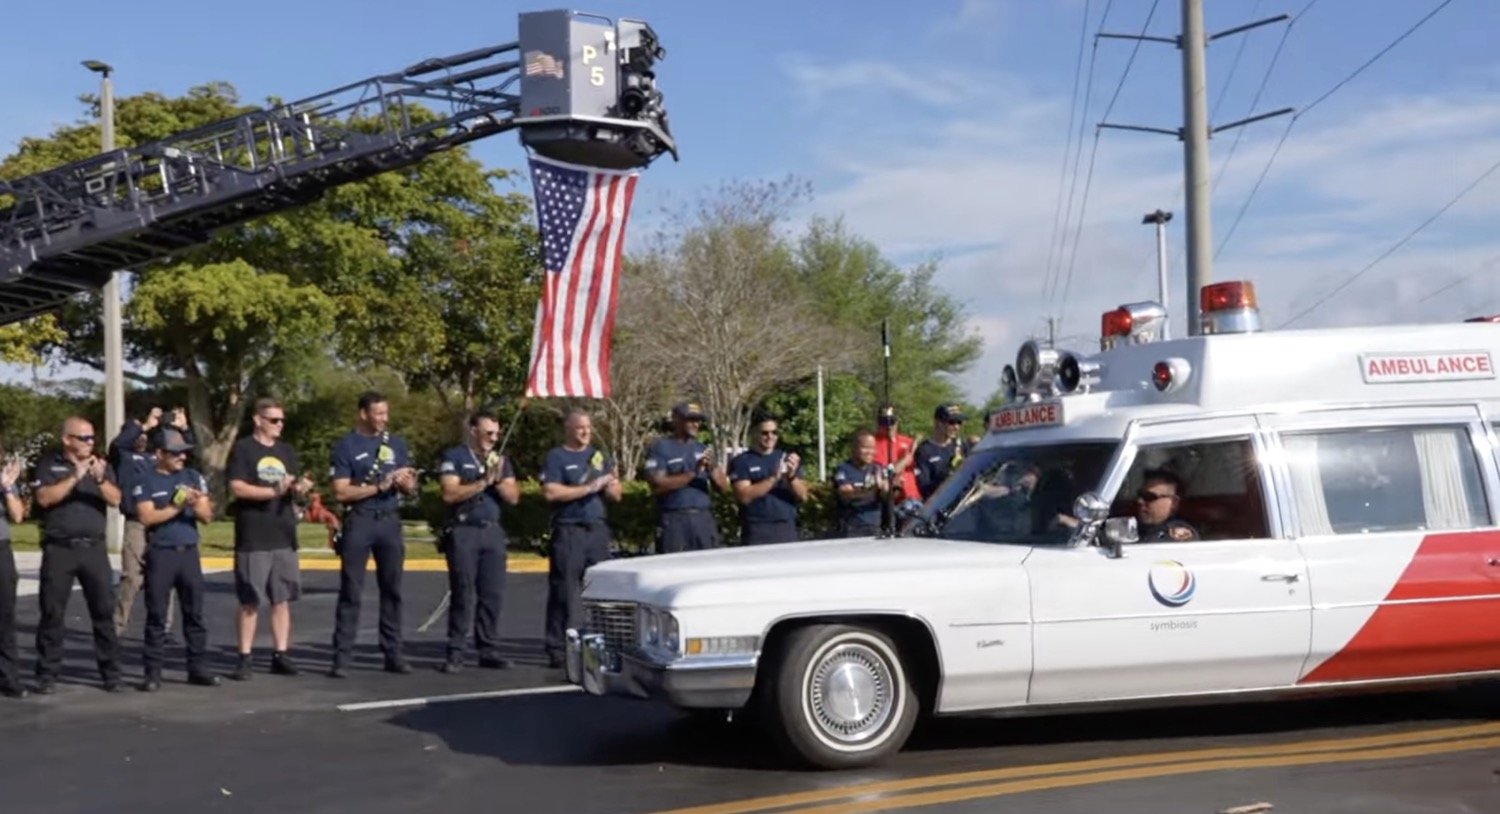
pixel 710 682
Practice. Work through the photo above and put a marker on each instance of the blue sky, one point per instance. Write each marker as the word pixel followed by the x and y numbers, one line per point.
pixel 939 129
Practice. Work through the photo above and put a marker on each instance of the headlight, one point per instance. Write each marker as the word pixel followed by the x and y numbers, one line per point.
pixel 650 627
pixel 670 635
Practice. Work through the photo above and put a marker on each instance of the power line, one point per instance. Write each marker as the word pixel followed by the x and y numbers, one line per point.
pixel 1083 206
pixel 1234 66
pixel 1485 266
pixel 1392 250
pixel 1062 171
pixel 1053 274
pixel 1304 111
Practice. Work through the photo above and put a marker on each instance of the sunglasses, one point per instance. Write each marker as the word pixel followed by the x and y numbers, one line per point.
pixel 769 432
pixel 87 439
pixel 490 433
pixel 182 454
pixel 1147 496
pixel 276 420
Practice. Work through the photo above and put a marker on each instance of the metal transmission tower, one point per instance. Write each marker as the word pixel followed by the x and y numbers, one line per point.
pixel 1195 133
pixel 587 95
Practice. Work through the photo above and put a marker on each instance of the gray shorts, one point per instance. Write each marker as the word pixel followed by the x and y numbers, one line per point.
pixel 267 577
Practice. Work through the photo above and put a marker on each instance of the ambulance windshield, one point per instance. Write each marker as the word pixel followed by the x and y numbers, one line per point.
pixel 1015 494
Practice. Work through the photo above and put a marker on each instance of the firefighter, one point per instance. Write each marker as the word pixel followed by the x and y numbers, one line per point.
pixel 74 489
pixel 371 470
pixel 682 472
pixel 15 512
pixel 576 480
pixel 768 483
pixel 939 455
pixel 476 480
pixel 171 500
pixel 861 486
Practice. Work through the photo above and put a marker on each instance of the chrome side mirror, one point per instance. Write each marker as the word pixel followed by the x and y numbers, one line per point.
pixel 1090 508
pixel 1117 532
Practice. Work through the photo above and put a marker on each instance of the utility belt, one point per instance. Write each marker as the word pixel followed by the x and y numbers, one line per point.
pixel 473 524
pixel 371 514
pixel 170 546
pixel 687 511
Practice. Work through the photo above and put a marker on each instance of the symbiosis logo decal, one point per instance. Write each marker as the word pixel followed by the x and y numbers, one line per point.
pixel 1171 583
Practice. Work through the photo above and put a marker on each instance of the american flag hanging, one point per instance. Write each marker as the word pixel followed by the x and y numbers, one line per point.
pixel 582 212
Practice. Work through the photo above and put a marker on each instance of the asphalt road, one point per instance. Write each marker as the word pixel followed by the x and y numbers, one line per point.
pixel 283 744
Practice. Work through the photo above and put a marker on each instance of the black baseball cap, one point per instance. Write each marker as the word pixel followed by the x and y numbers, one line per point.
pixel 688 410
pixel 169 439
pixel 949 412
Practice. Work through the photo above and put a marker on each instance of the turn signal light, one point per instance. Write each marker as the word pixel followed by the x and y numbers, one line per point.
pixel 1161 375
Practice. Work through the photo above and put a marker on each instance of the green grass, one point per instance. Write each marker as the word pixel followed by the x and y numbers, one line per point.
pixel 218 539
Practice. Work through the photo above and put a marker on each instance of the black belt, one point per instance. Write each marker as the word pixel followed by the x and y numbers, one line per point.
pixel 175 547
pixel 379 514
pixel 475 524
pixel 686 511
pixel 587 524
pixel 72 542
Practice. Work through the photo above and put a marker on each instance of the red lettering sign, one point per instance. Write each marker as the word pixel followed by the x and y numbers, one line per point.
pixel 1020 417
pixel 1422 366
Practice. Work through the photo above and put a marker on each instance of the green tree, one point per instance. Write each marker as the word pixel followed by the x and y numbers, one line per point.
pixel 854 286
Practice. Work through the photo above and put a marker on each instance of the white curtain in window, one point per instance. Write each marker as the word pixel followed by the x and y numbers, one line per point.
pixel 1307 484
pixel 1445 490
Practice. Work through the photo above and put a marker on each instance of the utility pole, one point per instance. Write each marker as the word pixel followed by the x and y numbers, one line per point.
pixel 1194 134
pixel 822 444
pixel 114 354
pixel 1195 158
pixel 1160 218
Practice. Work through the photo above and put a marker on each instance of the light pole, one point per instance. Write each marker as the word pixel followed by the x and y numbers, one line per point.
pixel 114 356
pixel 1160 218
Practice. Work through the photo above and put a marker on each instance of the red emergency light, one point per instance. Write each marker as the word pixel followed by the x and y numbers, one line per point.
pixel 1229 308
pixel 1228 296
pixel 1116 323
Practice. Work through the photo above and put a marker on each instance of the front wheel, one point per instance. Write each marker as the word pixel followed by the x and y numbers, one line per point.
pixel 839 696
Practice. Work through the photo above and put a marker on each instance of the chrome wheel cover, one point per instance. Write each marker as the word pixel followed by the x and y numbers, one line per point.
pixel 850 693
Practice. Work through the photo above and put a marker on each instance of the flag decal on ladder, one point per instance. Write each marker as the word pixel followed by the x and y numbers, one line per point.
pixel 582 212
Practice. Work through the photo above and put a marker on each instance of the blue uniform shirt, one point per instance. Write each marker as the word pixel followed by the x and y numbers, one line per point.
pixel 572 468
pixel 669 456
pixel 365 460
pixel 159 489
pixel 464 462
pixel 133 466
pixel 776 506
pixel 865 510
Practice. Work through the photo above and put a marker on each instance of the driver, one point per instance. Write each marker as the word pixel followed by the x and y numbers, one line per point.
pixel 1156 509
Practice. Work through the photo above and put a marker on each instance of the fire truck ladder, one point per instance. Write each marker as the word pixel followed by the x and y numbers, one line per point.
pixel 66 230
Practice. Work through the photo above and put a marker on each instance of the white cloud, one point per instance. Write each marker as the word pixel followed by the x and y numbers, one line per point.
pixel 979 185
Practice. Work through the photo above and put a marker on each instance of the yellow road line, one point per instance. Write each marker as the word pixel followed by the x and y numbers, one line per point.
pixel 1092 765
pixel 528 565
pixel 968 793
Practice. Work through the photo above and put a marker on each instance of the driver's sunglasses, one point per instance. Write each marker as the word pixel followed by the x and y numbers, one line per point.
pixel 1146 496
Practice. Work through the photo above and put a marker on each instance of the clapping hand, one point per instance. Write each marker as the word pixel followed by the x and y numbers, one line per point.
pixel 10 474
pixel 96 468
pixel 790 465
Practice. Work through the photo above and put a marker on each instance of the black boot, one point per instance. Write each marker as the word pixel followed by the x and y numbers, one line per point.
pixel 282 664
pixel 242 670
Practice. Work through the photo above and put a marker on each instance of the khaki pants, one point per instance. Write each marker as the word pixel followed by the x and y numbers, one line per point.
pixel 132 574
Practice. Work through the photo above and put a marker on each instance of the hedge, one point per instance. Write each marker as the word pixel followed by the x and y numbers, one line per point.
pixel 633 519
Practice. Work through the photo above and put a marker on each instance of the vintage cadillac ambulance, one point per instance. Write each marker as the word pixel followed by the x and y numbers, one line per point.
pixel 1342 485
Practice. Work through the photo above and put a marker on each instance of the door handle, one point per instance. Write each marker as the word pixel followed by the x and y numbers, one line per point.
pixel 1493 560
pixel 1280 577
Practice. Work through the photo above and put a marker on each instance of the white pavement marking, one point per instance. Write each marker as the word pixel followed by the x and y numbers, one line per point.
pixel 467 696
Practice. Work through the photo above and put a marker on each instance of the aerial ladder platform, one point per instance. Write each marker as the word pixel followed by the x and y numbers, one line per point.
pixel 579 88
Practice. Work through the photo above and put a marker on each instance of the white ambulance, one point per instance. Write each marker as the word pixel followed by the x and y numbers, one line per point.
pixel 1242 513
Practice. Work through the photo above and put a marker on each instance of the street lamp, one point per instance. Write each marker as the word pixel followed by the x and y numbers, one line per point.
pixel 1160 218
pixel 114 357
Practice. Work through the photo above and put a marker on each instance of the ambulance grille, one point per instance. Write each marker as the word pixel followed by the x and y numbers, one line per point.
pixel 616 620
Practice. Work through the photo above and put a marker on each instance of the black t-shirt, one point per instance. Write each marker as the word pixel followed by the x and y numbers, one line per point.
pixel 82 512
pixel 263 525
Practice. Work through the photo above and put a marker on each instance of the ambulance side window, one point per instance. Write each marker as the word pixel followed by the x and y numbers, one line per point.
pixel 1221 486
pixel 1385 479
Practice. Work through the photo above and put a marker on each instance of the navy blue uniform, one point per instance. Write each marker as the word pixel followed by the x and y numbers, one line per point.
pixel 172 563
pixel 73 547
pixel 476 557
pixel 10 680
pixel 1172 531
pixel 772 517
pixel 934 462
pixel 372 526
pixel 580 538
pixel 859 517
pixel 686 521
